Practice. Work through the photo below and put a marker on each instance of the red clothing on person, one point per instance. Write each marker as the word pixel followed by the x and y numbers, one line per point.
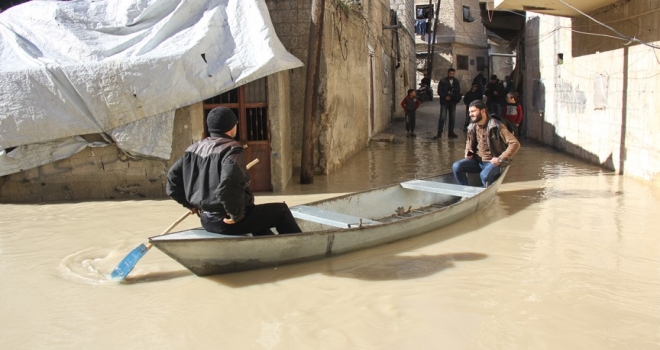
pixel 513 112
pixel 406 103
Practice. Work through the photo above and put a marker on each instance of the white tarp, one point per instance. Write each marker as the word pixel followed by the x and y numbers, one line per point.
pixel 82 67
pixel 33 155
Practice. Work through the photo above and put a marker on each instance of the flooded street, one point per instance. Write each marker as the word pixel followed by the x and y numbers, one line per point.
pixel 566 257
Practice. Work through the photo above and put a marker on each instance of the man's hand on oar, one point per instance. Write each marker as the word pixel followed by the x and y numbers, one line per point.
pixel 128 263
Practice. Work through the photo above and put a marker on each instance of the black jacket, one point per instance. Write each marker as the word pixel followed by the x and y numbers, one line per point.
pixel 452 90
pixel 212 176
pixel 471 96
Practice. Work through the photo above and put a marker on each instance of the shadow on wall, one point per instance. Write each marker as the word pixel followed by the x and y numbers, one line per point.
pixel 535 125
pixel 589 37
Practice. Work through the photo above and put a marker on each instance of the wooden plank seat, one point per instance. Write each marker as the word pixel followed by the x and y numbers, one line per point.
pixel 328 217
pixel 442 188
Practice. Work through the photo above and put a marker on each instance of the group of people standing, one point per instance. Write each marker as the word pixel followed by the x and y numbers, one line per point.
pixel 489 125
pixel 501 100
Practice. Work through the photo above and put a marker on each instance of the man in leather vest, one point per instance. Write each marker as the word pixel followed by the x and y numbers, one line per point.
pixel 211 179
pixel 489 146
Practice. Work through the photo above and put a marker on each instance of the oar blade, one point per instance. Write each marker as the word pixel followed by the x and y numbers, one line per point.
pixel 128 263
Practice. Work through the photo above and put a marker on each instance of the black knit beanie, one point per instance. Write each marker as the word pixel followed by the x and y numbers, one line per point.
pixel 220 120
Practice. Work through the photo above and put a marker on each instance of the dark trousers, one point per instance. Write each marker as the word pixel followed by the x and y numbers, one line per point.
pixel 258 220
pixel 410 121
pixel 467 118
pixel 447 110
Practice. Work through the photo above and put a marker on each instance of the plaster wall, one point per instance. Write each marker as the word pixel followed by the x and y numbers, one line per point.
pixel 356 51
pixel 280 131
pixel 405 76
pixel 600 103
pixel 357 87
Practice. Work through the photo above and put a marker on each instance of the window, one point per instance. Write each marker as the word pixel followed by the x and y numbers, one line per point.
pixel 461 62
pixel 424 12
pixel 249 103
pixel 467 16
pixel 481 64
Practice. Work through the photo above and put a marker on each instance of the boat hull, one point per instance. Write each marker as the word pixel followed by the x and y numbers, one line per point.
pixel 206 253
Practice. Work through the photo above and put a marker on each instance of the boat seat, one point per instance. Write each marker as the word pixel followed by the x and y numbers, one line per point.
pixel 442 188
pixel 328 217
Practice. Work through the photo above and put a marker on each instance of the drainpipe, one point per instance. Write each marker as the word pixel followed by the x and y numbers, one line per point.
pixel 395 28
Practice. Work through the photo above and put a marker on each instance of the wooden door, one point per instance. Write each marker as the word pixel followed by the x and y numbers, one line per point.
pixel 250 104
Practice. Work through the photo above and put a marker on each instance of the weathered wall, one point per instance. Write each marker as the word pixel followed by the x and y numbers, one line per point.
pixel 279 102
pixel 600 103
pixel 101 173
pixel 406 77
pixel 291 20
pixel 356 96
pixel 355 47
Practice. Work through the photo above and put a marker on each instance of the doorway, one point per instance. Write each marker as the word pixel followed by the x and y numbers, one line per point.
pixel 250 104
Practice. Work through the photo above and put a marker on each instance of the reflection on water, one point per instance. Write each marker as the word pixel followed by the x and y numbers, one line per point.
pixel 566 256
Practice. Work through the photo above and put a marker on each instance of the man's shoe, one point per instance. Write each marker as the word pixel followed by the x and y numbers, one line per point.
pixel 412 134
pixel 437 137
pixel 453 136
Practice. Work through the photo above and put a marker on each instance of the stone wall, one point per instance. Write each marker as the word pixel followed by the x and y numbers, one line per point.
pixel 599 102
pixel 102 172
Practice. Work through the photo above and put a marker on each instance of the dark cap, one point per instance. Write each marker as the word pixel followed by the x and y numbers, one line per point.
pixel 220 120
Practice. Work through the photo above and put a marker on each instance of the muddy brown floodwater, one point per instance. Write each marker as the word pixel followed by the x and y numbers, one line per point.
pixel 566 257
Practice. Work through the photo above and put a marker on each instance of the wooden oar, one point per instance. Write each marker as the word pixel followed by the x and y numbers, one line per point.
pixel 128 263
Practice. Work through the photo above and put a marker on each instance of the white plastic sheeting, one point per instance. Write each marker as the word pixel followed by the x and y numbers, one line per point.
pixel 30 156
pixel 81 67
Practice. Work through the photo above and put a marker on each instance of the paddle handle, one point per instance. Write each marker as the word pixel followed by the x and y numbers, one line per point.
pixel 178 221
pixel 250 164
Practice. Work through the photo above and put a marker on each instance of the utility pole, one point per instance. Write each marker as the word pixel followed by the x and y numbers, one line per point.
pixel 431 49
pixel 311 91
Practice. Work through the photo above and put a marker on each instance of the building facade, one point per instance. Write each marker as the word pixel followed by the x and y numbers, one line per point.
pixel 590 81
pixel 460 41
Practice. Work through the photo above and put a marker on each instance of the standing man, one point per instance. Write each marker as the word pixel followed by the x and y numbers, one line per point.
pixel 480 80
pixel 211 179
pixel 489 145
pixel 410 103
pixel 495 95
pixel 449 90
pixel 470 96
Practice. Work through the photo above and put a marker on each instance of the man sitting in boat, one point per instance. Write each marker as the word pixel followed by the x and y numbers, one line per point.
pixel 489 145
pixel 211 179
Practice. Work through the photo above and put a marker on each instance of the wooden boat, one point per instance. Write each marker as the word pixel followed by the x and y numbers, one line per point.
pixel 335 226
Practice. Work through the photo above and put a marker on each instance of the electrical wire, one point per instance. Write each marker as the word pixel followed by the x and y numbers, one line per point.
pixel 625 18
pixel 633 39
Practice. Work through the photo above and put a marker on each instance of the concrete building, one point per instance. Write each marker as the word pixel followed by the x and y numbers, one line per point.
pixel 460 39
pixel 591 77
pixel 366 67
